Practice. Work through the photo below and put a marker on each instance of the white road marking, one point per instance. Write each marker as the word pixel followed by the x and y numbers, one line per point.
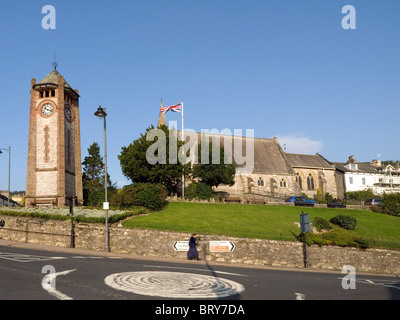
pixel 300 296
pixel 49 278
pixel 25 257
pixel 173 285
pixel 196 269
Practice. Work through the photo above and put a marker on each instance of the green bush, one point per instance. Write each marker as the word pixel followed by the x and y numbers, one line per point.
pixel 391 204
pixel 328 197
pixel 321 224
pixel 148 195
pixel 345 222
pixel 199 191
pixel 361 195
pixel 97 197
pixel 337 237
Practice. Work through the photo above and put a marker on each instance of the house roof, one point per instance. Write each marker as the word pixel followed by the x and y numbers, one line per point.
pixel 361 167
pixel 6 199
pixel 308 160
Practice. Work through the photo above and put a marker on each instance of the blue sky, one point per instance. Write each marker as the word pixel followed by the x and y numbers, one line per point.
pixel 284 68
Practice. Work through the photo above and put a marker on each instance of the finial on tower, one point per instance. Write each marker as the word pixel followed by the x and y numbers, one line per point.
pixel 55 65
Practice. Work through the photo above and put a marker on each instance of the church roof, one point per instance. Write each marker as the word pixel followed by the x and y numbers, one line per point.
pixel 307 160
pixel 269 157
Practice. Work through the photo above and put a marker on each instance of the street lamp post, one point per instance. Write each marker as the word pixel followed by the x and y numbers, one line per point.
pixel 9 170
pixel 101 113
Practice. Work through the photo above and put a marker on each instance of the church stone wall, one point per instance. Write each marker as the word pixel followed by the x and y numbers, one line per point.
pixel 269 187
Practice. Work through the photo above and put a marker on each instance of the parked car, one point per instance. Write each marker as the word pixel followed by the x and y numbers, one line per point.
pixel 301 201
pixel 374 202
pixel 335 204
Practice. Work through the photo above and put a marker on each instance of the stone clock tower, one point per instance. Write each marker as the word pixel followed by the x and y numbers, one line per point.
pixel 54 173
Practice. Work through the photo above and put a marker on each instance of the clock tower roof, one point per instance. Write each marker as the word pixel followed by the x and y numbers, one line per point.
pixel 51 80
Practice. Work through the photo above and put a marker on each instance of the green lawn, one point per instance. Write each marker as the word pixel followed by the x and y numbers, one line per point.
pixel 262 222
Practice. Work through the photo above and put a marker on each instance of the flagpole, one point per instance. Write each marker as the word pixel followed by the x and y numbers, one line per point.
pixel 183 175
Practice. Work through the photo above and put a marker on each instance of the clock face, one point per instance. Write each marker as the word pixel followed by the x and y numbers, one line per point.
pixel 68 114
pixel 47 109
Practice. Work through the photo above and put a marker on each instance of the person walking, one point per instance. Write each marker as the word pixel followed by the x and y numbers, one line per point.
pixel 193 254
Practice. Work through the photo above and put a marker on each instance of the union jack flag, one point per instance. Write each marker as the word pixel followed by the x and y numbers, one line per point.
pixel 174 108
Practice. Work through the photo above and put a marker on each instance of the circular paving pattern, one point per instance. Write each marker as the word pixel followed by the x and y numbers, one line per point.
pixel 173 284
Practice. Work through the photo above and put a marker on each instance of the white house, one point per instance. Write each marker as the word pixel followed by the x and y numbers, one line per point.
pixel 353 176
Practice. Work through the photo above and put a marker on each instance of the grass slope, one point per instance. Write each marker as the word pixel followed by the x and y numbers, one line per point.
pixel 262 222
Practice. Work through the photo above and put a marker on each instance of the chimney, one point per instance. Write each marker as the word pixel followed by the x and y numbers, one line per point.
pixel 351 160
pixel 376 163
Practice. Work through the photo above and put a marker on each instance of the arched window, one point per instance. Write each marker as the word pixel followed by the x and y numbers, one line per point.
pixel 310 182
pixel 299 180
pixel 260 182
pixel 282 183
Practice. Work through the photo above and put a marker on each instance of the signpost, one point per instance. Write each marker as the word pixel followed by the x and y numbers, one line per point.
pixel 222 246
pixel 215 246
pixel 181 245
pixel 304 228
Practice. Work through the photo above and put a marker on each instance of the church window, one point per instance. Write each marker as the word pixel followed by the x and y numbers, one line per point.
pixel 53 93
pixel 299 181
pixel 310 182
pixel 282 183
pixel 41 94
pixel 260 182
pixel 47 93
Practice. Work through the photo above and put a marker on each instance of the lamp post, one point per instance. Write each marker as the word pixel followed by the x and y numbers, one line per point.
pixel 9 170
pixel 101 113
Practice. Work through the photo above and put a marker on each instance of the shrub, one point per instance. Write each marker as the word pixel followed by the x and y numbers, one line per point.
pixel 146 195
pixel 391 204
pixel 149 197
pixel 345 222
pixel 337 237
pixel 361 195
pixel 328 197
pixel 199 191
pixel 321 224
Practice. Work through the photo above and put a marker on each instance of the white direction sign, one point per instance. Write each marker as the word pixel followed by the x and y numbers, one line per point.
pixel 181 246
pixel 222 246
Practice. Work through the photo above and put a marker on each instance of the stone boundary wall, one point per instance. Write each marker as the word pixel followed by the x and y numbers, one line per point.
pixel 268 203
pixel 153 243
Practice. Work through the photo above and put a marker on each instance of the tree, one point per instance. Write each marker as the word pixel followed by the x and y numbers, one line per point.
pixel 148 160
pixel 214 174
pixel 93 176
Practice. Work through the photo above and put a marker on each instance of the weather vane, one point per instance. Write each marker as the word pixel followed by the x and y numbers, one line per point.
pixel 55 65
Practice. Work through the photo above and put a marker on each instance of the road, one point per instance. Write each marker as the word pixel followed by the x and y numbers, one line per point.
pixel 28 273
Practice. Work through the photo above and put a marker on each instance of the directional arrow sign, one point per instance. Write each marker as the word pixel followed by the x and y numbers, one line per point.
pixel 222 246
pixel 181 245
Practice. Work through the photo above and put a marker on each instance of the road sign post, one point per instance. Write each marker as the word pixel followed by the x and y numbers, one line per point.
pixel 304 228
